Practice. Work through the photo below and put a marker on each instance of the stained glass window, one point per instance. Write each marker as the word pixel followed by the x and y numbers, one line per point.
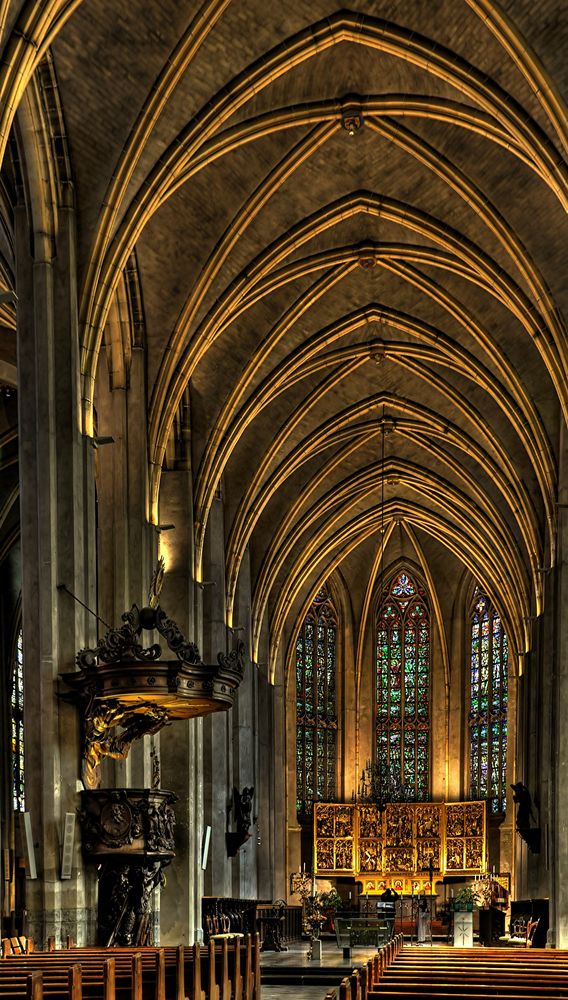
pixel 316 719
pixel 402 692
pixel 488 704
pixel 17 714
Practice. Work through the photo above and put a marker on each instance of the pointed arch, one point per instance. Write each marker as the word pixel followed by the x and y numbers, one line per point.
pixel 403 682
pixel 488 716
pixel 316 702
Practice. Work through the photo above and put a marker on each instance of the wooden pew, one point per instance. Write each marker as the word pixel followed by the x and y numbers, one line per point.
pixel 34 987
pixel 467 973
pixel 158 972
pixel 75 981
pixel 38 986
pixel 231 971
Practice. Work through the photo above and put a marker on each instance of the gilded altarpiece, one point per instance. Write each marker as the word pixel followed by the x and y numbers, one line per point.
pixel 335 837
pixel 399 847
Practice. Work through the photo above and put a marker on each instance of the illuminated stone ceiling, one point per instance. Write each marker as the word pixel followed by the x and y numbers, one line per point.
pixel 349 227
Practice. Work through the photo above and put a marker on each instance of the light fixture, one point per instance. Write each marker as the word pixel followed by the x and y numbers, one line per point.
pixel 367 261
pixel 379 356
pixel 351 114
pixel 380 784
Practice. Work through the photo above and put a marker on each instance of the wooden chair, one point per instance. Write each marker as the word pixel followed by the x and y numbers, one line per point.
pixel 221 927
pixel 522 934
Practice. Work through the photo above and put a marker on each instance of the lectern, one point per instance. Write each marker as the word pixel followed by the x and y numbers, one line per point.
pixel 463 929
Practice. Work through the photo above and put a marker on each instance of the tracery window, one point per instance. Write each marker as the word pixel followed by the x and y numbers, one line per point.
pixel 402 690
pixel 488 704
pixel 17 722
pixel 316 719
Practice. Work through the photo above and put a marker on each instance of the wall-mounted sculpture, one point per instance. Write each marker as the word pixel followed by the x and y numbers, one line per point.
pixel 241 807
pixel 530 834
pixel 122 683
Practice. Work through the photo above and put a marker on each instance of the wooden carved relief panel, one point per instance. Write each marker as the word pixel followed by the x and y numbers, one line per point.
pixel 334 837
pixel 407 839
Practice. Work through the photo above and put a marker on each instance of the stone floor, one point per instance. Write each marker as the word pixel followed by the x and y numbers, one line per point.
pixel 284 992
pixel 296 956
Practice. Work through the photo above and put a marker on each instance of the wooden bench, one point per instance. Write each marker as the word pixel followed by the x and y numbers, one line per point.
pixel 231 966
pixel 359 983
pixel 464 973
pixel 66 984
pixel 226 972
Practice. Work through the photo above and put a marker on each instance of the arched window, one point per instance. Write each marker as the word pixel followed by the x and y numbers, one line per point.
pixel 17 720
pixel 316 719
pixel 488 704
pixel 403 685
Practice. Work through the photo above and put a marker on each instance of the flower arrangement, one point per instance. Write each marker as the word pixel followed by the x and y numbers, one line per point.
pixel 331 900
pixel 313 916
pixel 465 898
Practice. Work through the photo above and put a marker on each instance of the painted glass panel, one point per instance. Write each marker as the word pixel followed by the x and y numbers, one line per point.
pixel 488 704
pixel 402 688
pixel 316 719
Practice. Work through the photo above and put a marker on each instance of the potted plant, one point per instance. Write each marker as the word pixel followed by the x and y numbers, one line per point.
pixel 465 899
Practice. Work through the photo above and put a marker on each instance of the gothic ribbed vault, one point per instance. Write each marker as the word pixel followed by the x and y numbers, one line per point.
pixel 321 225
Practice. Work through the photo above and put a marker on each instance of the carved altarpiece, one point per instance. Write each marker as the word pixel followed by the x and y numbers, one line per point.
pixel 399 847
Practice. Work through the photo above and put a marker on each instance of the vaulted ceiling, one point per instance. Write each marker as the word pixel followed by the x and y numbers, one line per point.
pixel 349 232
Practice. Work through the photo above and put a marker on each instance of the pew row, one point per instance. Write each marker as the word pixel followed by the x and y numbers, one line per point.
pixel 475 974
pixel 230 971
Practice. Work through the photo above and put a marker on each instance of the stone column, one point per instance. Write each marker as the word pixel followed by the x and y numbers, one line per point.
pixel 217 728
pixel 57 526
pixel 439 716
pixel 277 781
pixel 347 777
pixel 181 754
pixel 505 859
pixel 245 741
pixel 559 667
pixel 9 613
pixel 541 756
pixel 458 776
pixel 266 798
pixel 127 544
